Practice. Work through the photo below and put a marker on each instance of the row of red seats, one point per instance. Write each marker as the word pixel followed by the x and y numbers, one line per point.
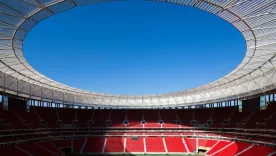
pixel 137 145
pixel 39 115
pixel 172 145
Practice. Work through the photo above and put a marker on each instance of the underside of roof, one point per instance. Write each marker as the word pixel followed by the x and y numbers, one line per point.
pixel 255 19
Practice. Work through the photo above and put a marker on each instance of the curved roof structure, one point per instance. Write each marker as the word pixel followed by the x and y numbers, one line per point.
pixel 255 19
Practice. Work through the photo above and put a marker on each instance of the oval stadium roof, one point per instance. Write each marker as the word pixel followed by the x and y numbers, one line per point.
pixel 255 19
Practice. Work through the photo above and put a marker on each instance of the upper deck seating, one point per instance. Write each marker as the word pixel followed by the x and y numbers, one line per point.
pixel 84 116
pixel 100 118
pixel 151 118
pixel 220 115
pixel 186 116
pixel 117 118
pixel 236 118
pixel 169 118
pixel 134 118
pixel 202 115
pixel 10 120
pixel 66 115
pixel 48 115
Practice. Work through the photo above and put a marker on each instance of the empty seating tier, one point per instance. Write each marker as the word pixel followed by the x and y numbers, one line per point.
pixel 164 131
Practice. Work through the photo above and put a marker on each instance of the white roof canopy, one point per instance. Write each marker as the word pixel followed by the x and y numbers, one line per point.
pixel 255 19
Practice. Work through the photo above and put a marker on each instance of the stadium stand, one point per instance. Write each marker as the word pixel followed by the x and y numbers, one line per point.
pixel 191 144
pixel 257 150
pixel 218 146
pixel 154 144
pixel 169 118
pixel 151 118
pixel 204 143
pixel 13 150
pixel 114 144
pixel 48 131
pixel 134 145
pixel 94 145
pixel 234 115
pixel 77 144
pixel 185 116
pixel 48 145
pixel 134 118
pixel 175 144
pixel 83 116
pixel 117 118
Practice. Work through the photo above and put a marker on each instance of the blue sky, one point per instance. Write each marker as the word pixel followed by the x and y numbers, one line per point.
pixel 134 47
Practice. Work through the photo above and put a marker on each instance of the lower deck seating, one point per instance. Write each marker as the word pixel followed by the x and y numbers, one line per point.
pixel 12 151
pixel 35 149
pixel 242 146
pixel 114 144
pixel 48 145
pixel 134 144
pixel 206 143
pixel 175 144
pixel 218 146
pixel 77 144
pixel 154 144
pixel 137 145
pixel 94 145
pixel 233 149
pixel 258 150
pixel 191 144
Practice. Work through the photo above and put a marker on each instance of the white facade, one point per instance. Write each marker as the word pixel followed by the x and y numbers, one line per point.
pixel 255 19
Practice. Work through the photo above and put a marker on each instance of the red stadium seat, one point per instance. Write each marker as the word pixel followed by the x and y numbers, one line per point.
pixel 258 151
pixel 130 140
pixel 134 145
pixel 191 144
pixel 218 146
pixel 13 151
pixel 154 144
pixel 114 144
pixel 175 144
pixel 77 144
pixel 94 145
